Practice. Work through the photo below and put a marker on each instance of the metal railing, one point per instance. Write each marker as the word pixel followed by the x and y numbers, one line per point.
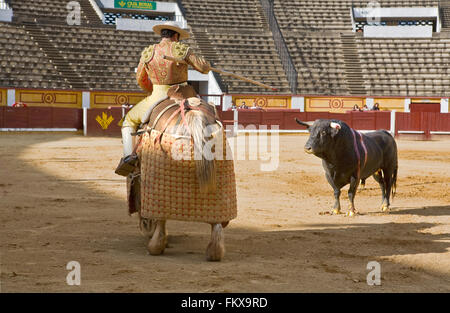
pixel 280 44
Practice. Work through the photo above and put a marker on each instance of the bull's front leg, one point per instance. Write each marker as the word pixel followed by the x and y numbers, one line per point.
pixel 354 182
pixel 337 193
pixel 337 203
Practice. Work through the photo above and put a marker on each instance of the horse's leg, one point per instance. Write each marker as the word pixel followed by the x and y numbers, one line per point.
pixel 216 247
pixel 158 242
pixel 147 226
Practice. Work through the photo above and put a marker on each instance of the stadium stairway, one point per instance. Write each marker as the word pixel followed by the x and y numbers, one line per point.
pixel 353 69
pixel 70 76
pixel 445 9
pixel 205 45
pixel 91 17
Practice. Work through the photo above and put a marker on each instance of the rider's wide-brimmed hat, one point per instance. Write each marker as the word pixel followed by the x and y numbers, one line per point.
pixel 172 26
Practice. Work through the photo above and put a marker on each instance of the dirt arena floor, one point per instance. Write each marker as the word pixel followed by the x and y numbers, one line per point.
pixel 60 201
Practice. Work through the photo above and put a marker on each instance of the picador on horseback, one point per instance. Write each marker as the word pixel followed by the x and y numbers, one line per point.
pixel 179 166
pixel 156 75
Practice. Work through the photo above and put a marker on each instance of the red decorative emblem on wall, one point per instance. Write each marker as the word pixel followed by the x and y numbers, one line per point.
pixel 336 104
pixel 49 98
pixel 261 102
pixel 121 100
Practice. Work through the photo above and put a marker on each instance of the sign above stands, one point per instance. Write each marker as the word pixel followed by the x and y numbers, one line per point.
pixel 135 5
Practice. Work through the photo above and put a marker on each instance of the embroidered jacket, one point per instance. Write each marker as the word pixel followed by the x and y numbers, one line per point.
pixel 153 69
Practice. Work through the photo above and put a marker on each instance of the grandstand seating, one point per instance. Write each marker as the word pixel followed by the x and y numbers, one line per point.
pixel 405 66
pixel 236 36
pixel 296 15
pixel 445 5
pixel 40 50
pixel 320 63
pixel 231 14
pixel 331 59
pixel 53 11
pixel 23 64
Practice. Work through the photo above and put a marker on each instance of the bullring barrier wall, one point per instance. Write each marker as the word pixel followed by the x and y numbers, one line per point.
pixel 100 113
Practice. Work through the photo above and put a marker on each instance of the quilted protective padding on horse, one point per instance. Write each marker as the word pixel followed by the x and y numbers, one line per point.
pixel 169 183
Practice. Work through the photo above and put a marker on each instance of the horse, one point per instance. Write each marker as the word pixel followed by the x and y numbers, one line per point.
pixel 181 116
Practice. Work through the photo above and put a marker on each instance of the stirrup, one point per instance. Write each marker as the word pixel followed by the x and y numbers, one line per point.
pixel 127 165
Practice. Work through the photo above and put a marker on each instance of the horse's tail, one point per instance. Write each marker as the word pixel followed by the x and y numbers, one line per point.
pixel 204 159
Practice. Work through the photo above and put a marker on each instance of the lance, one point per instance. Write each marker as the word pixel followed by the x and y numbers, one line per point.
pixel 226 73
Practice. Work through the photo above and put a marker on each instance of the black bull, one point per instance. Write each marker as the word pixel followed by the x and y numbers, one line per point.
pixel 349 156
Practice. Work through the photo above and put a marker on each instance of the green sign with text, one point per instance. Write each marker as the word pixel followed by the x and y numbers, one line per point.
pixel 135 5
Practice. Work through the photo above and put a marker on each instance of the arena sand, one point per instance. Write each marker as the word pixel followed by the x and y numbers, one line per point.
pixel 60 201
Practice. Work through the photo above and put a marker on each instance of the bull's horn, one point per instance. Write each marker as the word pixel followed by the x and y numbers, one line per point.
pixel 335 125
pixel 306 124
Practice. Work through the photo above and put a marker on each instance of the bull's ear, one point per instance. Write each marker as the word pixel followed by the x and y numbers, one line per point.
pixel 336 127
pixel 306 124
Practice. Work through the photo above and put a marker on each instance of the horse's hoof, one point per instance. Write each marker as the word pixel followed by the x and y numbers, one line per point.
pixel 385 208
pixel 157 244
pixel 147 227
pixel 351 213
pixel 156 248
pixel 214 254
pixel 216 248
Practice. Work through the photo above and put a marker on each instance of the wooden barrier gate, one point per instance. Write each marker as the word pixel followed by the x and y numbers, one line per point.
pixel 108 121
pixel 41 118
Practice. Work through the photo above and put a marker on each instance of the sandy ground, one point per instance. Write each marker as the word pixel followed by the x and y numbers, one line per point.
pixel 60 201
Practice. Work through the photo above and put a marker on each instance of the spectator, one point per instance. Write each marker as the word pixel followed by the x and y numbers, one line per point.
pixel 243 106
pixel 376 107
pixel 356 108
pixel 365 107
pixel 19 105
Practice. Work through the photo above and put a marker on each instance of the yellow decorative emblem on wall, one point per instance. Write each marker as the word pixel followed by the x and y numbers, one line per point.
pixel 104 121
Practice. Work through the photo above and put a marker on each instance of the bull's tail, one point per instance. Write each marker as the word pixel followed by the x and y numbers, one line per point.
pixel 394 182
pixel 204 162
pixel 394 173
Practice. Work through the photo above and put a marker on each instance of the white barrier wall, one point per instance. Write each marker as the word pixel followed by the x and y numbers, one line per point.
pixel 6 15
pixel 375 12
pixel 398 31
pixel 11 97
pixel 298 103
pixel 140 25
pixel 444 105
pixel 162 7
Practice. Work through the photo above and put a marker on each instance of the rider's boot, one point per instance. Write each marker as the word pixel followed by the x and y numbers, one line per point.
pixel 128 163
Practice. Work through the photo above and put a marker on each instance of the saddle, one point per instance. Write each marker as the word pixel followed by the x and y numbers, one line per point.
pixel 180 99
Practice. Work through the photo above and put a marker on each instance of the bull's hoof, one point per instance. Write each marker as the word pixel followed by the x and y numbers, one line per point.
pixel 385 208
pixel 336 212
